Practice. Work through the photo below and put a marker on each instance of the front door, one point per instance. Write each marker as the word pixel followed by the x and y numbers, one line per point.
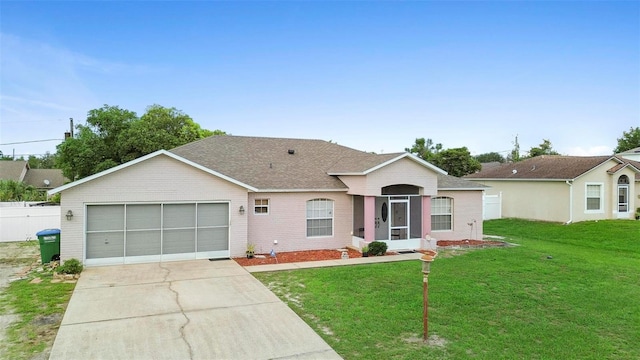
pixel 623 200
pixel 399 224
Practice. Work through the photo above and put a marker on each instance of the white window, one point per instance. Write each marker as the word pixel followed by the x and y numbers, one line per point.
pixel 594 195
pixel 319 217
pixel 261 207
pixel 441 214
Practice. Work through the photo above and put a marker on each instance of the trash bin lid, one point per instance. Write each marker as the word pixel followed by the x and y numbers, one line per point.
pixel 48 232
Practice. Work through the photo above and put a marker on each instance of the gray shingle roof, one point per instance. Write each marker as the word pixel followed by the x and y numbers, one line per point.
pixel 448 182
pixel 12 170
pixel 36 177
pixel 545 167
pixel 266 164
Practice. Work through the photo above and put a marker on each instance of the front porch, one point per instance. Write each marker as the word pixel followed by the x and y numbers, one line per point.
pixel 400 217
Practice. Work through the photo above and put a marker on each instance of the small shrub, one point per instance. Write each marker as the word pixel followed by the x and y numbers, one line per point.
pixel 377 248
pixel 71 266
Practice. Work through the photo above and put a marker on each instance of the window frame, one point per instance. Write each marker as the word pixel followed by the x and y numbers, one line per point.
pixel 262 206
pixel 600 209
pixel 311 218
pixel 450 213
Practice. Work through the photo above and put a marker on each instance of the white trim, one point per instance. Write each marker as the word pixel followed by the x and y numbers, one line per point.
pixel 298 190
pixel 390 161
pixel 262 206
pixel 144 158
pixel 333 218
pixel 601 209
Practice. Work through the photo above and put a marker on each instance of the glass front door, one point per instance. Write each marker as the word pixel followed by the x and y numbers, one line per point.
pixel 623 199
pixel 399 224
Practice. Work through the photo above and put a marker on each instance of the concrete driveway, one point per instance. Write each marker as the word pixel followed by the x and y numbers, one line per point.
pixel 196 309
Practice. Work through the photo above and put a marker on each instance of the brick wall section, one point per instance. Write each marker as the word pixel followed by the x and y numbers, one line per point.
pixel 287 222
pixel 159 179
pixel 467 206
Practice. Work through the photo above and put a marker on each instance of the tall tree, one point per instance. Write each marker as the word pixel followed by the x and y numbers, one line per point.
pixel 114 136
pixel 629 140
pixel 46 161
pixel 490 157
pixel 544 148
pixel 424 149
pixel 456 161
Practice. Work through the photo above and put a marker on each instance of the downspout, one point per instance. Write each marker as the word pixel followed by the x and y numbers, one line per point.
pixel 570 183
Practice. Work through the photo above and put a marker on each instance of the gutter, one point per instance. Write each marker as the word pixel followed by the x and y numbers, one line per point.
pixel 570 183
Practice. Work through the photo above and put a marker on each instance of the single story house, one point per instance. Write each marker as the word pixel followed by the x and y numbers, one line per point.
pixel 213 197
pixel 565 188
pixel 41 179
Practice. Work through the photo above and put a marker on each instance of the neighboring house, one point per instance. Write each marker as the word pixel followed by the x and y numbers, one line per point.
pixel 633 154
pixel 42 179
pixel 212 197
pixel 565 188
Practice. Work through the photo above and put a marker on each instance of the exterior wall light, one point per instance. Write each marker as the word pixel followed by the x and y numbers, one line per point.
pixel 241 210
pixel 69 215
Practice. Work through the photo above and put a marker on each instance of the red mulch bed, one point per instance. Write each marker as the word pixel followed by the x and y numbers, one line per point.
pixel 297 256
pixel 333 254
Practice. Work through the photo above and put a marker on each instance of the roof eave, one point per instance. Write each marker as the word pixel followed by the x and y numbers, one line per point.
pixel 298 190
pixel 402 156
pixel 147 157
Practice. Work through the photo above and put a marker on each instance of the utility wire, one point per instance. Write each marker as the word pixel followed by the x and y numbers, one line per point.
pixel 32 141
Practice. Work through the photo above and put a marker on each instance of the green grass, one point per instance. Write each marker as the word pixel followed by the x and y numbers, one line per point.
pixel 39 308
pixel 567 291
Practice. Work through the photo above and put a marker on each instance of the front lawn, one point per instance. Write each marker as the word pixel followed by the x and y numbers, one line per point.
pixel 567 291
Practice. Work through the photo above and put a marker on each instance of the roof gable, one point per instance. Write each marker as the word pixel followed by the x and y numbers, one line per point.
pixel 545 167
pixel 144 158
pixel 13 170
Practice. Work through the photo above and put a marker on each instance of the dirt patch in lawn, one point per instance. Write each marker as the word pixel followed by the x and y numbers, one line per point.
pixel 16 260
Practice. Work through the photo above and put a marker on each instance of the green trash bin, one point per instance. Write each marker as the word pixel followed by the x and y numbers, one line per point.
pixel 49 245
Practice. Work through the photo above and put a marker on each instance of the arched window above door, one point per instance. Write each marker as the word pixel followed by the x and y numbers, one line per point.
pixel 623 179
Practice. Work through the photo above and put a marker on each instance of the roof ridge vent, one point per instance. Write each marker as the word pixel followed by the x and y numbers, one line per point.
pixel 291 151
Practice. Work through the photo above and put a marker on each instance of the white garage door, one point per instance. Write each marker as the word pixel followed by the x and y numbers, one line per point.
pixel 130 233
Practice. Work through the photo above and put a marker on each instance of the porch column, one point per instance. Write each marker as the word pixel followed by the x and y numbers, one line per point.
pixel 369 218
pixel 426 215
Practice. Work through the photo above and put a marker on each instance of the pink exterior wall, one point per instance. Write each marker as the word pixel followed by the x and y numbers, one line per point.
pixel 467 208
pixel 404 171
pixel 369 218
pixel 159 179
pixel 287 222
pixel 426 216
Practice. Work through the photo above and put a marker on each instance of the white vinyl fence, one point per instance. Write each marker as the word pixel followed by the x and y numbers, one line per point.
pixel 20 222
pixel 491 206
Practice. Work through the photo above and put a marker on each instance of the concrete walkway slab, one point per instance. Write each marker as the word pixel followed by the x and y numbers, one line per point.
pixel 181 310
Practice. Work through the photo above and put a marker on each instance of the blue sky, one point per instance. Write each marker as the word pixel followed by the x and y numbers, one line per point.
pixel 369 75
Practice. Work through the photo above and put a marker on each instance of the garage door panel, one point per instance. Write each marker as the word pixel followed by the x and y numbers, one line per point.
pixel 105 245
pixel 105 217
pixel 144 217
pixel 179 241
pixel 141 243
pixel 213 215
pixel 179 216
pixel 213 239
